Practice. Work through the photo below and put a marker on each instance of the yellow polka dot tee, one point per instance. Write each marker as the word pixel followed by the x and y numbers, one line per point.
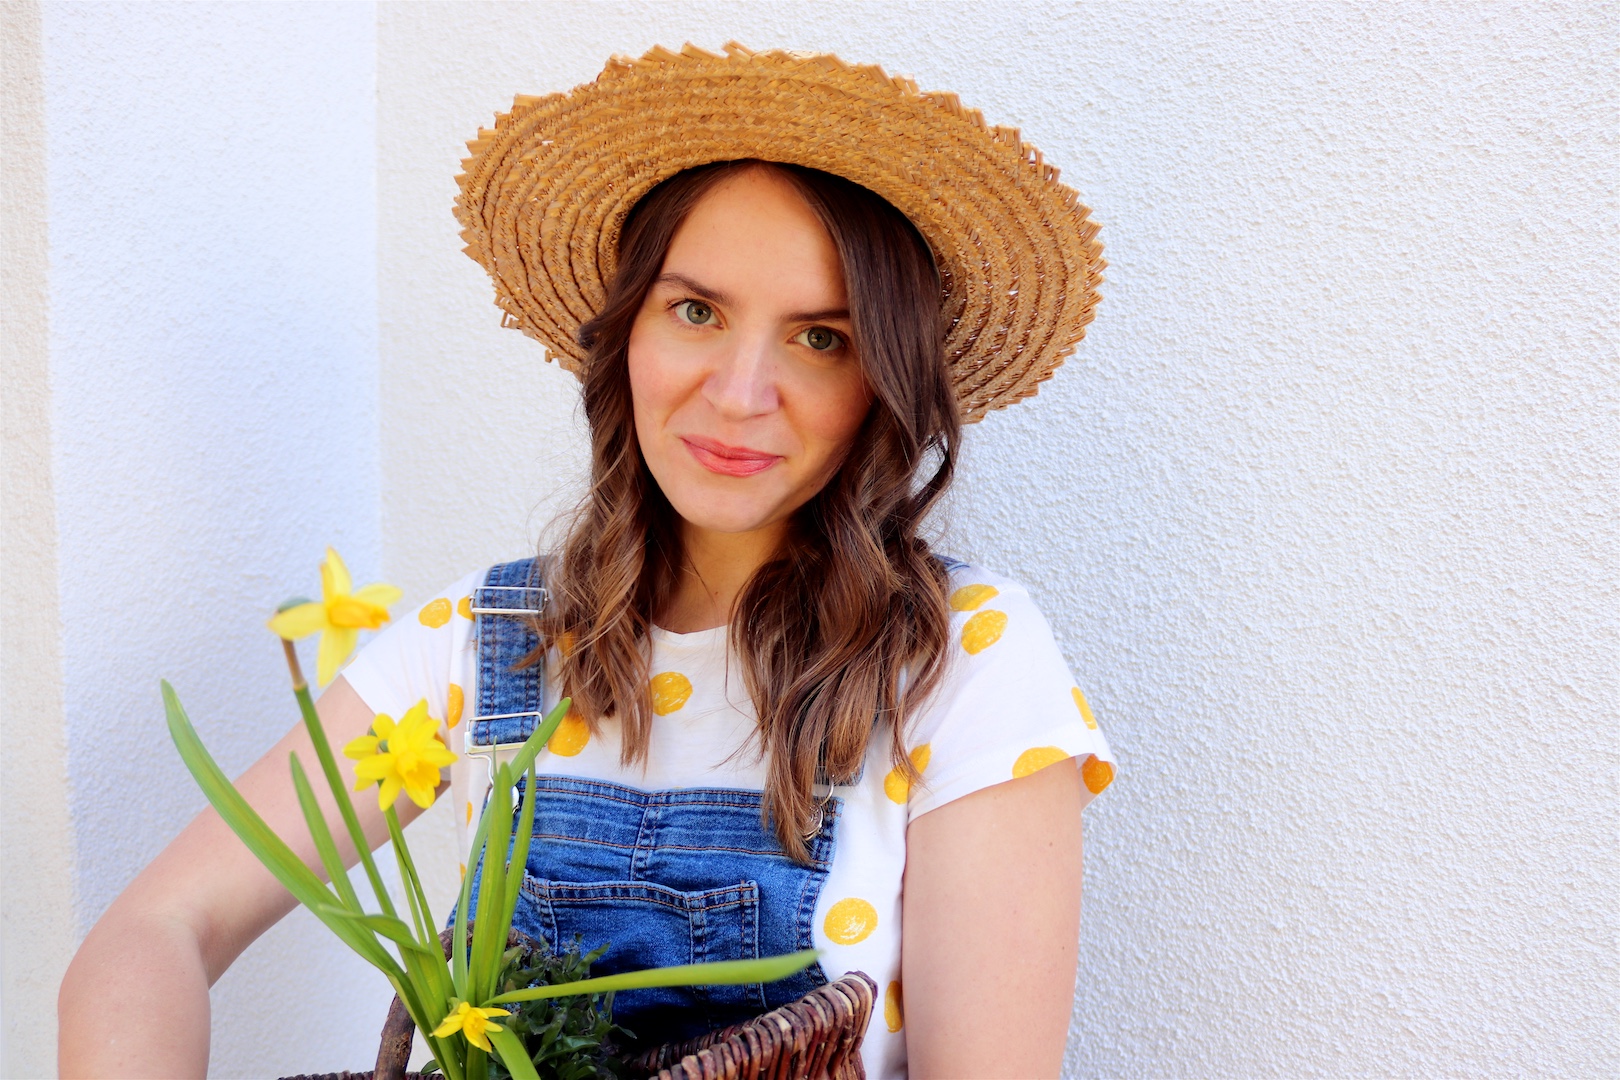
pixel 1007 707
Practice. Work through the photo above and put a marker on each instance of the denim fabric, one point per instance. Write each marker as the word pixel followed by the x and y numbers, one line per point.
pixel 664 877
pixel 508 702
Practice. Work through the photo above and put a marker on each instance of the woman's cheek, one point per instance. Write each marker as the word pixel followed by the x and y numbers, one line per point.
pixel 842 408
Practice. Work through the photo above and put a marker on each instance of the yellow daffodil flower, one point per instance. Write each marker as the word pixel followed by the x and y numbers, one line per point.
pixel 339 615
pixel 471 1022
pixel 407 755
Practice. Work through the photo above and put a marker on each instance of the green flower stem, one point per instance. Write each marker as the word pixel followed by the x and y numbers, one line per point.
pixel 484 964
pixel 718 973
pixel 458 945
pixel 460 961
pixel 260 839
pixel 335 870
pixel 519 856
pixel 448 1057
pixel 440 988
pixel 340 792
pixel 510 1050
pixel 407 875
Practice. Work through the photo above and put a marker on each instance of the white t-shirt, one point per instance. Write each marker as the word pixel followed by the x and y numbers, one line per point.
pixel 1005 708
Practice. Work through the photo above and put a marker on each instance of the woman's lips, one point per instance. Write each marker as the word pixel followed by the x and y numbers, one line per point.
pixel 729 460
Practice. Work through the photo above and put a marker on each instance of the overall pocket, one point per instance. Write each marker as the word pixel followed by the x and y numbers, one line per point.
pixel 649 925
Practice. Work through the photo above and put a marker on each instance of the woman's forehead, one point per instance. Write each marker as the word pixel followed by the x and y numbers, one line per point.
pixel 753 238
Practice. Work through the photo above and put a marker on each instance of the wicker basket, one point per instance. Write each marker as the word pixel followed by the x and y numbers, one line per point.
pixel 817 1037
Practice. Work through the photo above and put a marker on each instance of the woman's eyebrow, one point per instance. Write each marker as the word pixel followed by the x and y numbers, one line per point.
pixel 818 316
pixel 686 284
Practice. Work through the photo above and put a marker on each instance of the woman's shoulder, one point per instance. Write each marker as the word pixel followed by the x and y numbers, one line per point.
pixel 1000 642
pixel 991 597
pixel 1007 703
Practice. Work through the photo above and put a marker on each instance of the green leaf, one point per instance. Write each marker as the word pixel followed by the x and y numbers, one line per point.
pixel 407 875
pixel 391 928
pixel 261 840
pixel 509 1048
pixel 458 942
pixel 335 870
pixel 460 966
pixel 718 973
pixel 353 927
pixel 520 856
pixel 487 945
pixel 340 794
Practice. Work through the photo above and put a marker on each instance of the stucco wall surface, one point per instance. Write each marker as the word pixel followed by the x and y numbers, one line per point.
pixel 1320 512
pixel 213 363
pixel 36 842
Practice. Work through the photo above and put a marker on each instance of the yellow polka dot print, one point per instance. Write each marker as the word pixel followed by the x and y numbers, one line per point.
pixel 895 785
pixel 434 613
pixel 850 920
pixel 971 597
pixel 894 1016
pixel 571 735
pixel 670 689
pixel 1085 708
pixel 983 630
pixel 1038 758
pixel 469 813
pixel 452 710
pixel 464 607
pixel 1096 773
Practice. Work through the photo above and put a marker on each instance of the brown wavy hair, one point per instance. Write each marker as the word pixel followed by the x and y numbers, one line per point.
pixel 847 626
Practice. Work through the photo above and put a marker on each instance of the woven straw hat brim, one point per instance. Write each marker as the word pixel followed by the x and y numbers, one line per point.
pixel 545 193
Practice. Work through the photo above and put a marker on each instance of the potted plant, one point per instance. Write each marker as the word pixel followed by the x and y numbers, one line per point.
pixel 473 1000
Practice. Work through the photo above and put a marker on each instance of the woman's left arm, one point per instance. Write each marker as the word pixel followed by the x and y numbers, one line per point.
pixel 991 938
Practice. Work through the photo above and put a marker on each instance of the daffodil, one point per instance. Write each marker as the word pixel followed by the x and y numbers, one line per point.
pixel 472 1022
pixel 407 755
pixel 339 615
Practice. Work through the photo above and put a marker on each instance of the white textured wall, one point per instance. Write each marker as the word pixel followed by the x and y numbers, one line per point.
pixel 213 364
pixel 36 841
pixel 1321 513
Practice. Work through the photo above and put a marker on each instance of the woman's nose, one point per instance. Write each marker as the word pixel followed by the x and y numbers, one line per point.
pixel 743 382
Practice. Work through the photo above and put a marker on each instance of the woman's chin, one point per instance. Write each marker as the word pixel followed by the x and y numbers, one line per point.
pixel 730 520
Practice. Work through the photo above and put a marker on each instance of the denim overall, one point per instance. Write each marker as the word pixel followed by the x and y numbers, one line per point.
pixel 664 877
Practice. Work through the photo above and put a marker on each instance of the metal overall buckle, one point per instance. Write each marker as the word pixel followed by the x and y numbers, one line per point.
pixel 496 753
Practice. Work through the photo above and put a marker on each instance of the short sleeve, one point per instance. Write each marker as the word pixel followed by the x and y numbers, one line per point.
pixel 1007 705
pixel 420 656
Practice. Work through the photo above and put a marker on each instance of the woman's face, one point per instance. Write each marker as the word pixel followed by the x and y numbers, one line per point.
pixel 746 386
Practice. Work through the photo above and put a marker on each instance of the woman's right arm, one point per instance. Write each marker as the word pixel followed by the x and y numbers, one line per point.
pixel 134 1001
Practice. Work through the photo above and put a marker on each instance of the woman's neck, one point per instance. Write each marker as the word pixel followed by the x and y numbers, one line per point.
pixel 718 566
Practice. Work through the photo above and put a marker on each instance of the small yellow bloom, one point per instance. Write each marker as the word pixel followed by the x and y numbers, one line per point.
pixel 407 755
pixel 471 1022
pixel 339 615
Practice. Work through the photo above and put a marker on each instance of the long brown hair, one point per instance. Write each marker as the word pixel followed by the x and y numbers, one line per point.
pixel 847 626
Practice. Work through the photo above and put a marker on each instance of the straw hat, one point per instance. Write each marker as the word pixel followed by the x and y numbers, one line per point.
pixel 546 191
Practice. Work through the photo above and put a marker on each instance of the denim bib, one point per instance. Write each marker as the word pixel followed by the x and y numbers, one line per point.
pixel 663 877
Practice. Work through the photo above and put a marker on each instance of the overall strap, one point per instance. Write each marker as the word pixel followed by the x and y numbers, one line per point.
pixel 510 699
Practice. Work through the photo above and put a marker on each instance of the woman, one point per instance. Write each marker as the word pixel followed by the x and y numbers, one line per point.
pixel 786 706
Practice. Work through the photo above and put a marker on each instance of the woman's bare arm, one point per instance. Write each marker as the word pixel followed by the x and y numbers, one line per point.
pixel 134 1001
pixel 991 914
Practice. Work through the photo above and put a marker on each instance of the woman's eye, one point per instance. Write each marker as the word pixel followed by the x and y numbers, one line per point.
pixel 820 339
pixel 695 312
